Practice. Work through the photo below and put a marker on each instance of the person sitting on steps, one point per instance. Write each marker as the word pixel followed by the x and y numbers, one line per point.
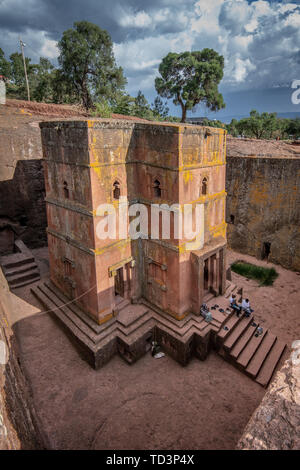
pixel 237 308
pixel 246 307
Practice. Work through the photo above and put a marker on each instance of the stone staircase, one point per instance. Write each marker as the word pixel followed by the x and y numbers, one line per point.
pixel 134 326
pixel 20 268
pixel 231 288
pixel 257 356
pixel 131 331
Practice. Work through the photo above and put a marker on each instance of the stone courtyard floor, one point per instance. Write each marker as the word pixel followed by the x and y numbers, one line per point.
pixel 155 403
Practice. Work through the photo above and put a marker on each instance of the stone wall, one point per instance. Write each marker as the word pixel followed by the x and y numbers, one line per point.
pixel 18 422
pixel 263 206
pixel 22 190
pixel 275 424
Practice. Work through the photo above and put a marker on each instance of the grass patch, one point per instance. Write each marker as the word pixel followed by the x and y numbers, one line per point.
pixel 265 276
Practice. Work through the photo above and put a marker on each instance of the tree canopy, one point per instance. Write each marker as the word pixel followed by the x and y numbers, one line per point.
pixel 4 65
pixel 87 63
pixel 259 126
pixel 160 109
pixel 191 78
pixel 293 128
pixel 265 126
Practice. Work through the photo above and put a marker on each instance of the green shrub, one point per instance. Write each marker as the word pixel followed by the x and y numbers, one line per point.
pixel 102 109
pixel 266 276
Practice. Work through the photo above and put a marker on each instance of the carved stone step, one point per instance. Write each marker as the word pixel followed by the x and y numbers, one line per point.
pixel 260 355
pixel 237 333
pixel 270 363
pixel 242 342
pixel 18 279
pixel 248 352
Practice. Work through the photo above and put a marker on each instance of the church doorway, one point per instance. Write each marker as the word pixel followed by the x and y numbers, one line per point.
pixel 119 283
pixel 206 275
pixel 266 250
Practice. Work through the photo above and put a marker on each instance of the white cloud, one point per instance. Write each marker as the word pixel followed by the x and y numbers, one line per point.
pixel 253 37
pixel 287 7
pixel 138 20
pixel 260 40
pixel 242 68
pixel 293 20
pixel 49 49
pixel 37 44
pixel 205 18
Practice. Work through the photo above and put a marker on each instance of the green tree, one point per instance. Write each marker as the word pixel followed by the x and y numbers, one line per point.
pixel 4 65
pixel 87 63
pixel 293 128
pixel 122 103
pixel 18 86
pixel 141 107
pixel 191 78
pixel 160 110
pixel 17 69
pixel 232 128
pixel 44 78
pixel 259 126
pixel 62 92
pixel 102 109
pixel 213 123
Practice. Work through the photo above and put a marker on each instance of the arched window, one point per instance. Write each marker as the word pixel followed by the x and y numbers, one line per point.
pixel 157 188
pixel 117 191
pixel 66 190
pixel 204 186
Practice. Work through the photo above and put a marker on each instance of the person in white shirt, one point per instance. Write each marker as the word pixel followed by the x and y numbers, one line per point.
pixel 246 307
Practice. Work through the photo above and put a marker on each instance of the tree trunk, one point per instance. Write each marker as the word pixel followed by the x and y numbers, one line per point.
pixel 183 115
pixel 86 98
pixel 183 107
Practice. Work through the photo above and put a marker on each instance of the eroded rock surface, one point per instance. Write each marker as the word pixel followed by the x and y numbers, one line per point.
pixel 275 425
pixel 263 200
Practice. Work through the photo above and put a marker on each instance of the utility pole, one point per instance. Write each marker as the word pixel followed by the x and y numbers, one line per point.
pixel 25 70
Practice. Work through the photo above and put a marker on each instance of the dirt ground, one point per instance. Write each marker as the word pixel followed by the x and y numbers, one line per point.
pixel 262 148
pixel 155 403
pixel 52 111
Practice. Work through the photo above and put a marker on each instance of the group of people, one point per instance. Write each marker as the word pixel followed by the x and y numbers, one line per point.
pixel 244 307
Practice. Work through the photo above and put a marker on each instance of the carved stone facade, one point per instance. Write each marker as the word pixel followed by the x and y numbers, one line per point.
pixel 93 162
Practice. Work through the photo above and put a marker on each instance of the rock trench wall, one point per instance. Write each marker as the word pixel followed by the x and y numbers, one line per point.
pixel 263 207
pixel 19 428
pixel 275 424
pixel 22 188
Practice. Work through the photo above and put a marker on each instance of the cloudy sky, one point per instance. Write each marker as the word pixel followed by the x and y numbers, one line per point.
pixel 260 41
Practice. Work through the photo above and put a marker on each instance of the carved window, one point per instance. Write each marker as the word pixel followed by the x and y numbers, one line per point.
pixel 157 188
pixel 204 186
pixel 116 190
pixel 68 264
pixel 66 190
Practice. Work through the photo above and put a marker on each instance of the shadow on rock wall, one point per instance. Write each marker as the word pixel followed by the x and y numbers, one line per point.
pixel 22 204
